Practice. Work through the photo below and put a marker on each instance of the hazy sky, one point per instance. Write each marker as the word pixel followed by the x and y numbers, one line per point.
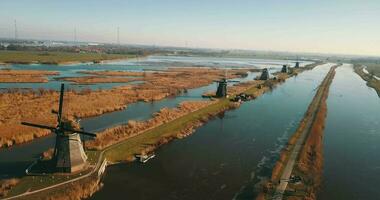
pixel 341 26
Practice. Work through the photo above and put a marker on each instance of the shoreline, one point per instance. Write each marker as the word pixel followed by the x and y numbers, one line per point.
pixel 370 81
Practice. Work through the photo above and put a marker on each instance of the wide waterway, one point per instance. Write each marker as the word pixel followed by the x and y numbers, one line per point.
pixel 224 158
pixel 13 161
pixel 351 139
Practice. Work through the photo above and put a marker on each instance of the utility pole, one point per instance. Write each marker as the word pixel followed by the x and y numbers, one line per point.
pixel 118 36
pixel 75 34
pixel 16 34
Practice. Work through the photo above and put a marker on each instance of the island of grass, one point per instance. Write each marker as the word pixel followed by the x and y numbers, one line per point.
pixel 53 57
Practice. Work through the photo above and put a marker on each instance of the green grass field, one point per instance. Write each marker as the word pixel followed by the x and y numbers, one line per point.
pixel 29 57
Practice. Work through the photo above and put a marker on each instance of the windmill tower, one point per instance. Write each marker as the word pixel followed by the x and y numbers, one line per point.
pixel 264 75
pixel 297 63
pixel 222 86
pixel 69 155
pixel 284 69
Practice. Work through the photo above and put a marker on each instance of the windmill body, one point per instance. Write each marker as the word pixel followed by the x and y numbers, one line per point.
pixel 222 88
pixel 284 69
pixel 264 74
pixel 297 65
pixel 69 155
pixel 221 91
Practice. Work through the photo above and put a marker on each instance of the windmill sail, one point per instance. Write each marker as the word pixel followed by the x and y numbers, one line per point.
pixel 69 154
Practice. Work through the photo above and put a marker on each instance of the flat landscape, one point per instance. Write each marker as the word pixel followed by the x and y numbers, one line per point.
pixel 188 100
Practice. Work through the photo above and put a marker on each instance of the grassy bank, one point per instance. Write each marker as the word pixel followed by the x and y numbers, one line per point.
pixel 371 80
pixel 163 133
pixel 38 57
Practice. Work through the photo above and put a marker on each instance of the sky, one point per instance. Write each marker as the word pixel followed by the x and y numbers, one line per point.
pixel 334 26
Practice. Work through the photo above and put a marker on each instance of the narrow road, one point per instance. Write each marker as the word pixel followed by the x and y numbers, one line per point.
pixel 313 109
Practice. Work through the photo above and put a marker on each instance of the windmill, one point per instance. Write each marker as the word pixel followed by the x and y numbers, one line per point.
pixel 222 86
pixel 297 63
pixel 284 69
pixel 69 155
pixel 264 74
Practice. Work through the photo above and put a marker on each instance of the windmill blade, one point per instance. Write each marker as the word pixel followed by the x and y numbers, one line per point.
pixel 80 132
pixel 38 126
pixel 60 104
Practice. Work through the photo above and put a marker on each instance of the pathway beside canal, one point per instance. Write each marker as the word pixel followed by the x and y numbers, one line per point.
pixel 310 120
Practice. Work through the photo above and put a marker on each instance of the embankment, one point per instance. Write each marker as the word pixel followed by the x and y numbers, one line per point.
pixel 302 157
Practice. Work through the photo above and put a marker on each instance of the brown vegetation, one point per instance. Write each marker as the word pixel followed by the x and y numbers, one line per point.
pixel 116 134
pixel 25 76
pixel 113 73
pixel 97 79
pixel 310 161
pixel 6 185
pixel 36 106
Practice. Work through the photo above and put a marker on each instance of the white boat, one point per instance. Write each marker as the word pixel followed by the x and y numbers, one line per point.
pixel 145 157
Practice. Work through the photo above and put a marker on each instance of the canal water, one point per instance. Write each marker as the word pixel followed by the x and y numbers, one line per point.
pixel 224 158
pixel 351 139
pixel 14 160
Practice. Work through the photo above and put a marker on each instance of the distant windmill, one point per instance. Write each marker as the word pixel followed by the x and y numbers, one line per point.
pixel 284 69
pixel 297 63
pixel 264 74
pixel 69 155
pixel 221 91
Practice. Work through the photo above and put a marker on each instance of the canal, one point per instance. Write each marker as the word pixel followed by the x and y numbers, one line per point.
pixel 225 158
pixel 351 139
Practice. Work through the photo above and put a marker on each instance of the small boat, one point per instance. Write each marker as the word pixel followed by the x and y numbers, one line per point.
pixel 145 157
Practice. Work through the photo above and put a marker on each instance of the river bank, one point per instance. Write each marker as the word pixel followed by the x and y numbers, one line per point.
pixel 305 149
pixel 371 80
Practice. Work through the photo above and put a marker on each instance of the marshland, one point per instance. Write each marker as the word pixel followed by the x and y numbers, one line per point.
pixel 189 100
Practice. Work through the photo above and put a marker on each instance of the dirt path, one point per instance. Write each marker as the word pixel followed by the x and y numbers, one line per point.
pixel 313 109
